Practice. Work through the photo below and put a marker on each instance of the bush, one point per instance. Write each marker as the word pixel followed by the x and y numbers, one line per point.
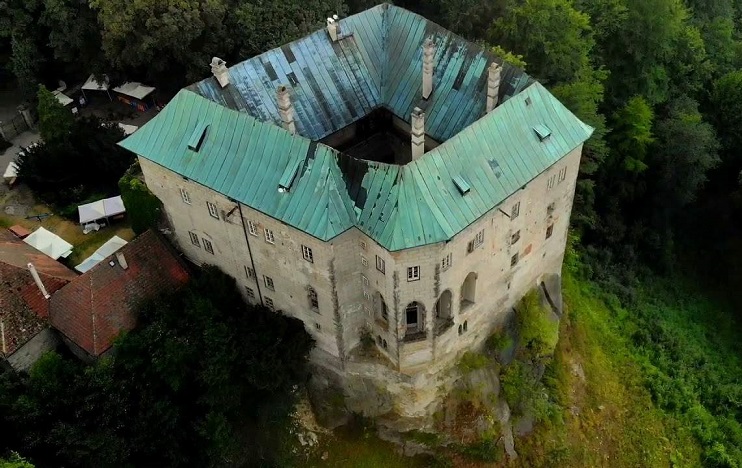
pixel 538 333
pixel 142 207
pixel 472 361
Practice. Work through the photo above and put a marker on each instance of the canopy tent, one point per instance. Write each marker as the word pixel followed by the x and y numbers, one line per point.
pixel 94 85
pixel 49 243
pixel 62 98
pixel 11 172
pixel 101 209
pixel 104 251
pixel 128 129
pixel 133 94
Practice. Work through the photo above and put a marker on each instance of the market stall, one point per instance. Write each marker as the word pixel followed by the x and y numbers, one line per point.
pixel 94 85
pixel 136 95
pixel 49 243
pixel 101 210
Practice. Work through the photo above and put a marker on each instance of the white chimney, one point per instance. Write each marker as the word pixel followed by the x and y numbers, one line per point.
pixel 418 133
pixel 220 71
pixel 428 54
pixel 333 28
pixel 493 86
pixel 122 260
pixel 36 278
pixel 285 108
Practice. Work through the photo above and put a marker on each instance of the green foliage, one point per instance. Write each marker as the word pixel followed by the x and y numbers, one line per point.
pixel 14 461
pixel 142 208
pixel 632 134
pixel 68 169
pixel 472 361
pixel 485 449
pixel 55 121
pixel 509 57
pixel 727 100
pixel 204 380
pixel 538 333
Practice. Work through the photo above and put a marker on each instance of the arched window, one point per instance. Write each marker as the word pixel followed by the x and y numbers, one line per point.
pixel 313 300
pixel 380 310
pixel 468 290
pixel 443 312
pixel 466 325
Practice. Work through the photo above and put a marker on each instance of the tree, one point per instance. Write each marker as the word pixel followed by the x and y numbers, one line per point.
pixel 632 134
pixel 74 34
pixel 14 461
pixel 727 102
pixel 55 120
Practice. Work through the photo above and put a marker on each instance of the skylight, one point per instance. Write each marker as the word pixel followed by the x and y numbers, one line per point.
pixel 542 131
pixel 197 137
pixel 461 184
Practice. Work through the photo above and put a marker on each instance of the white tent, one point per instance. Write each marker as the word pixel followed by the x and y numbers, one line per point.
pixel 128 129
pixel 104 251
pixel 94 85
pixel 101 209
pixel 49 243
pixel 11 172
pixel 135 90
pixel 62 98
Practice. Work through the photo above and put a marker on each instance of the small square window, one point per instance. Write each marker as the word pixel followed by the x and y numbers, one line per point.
pixel 364 262
pixel 551 182
pixel 515 237
pixel 249 272
pixel 364 280
pixel 269 283
pixel 446 262
pixel 380 265
pixel 515 211
pixel 550 208
pixel 208 247
pixel 363 245
pixel 549 230
pixel 366 295
pixel 306 252
pixel 194 239
pixel 269 236
pixel 514 260
pixel 185 196
pixel 475 243
pixel 269 303
pixel 317 326
pixel 252 228
pixel 562 174
pixel 250 293
pixel 212 210
pixel 413 273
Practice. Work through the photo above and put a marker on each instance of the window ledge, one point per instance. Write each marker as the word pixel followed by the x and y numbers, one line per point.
pixel 416 336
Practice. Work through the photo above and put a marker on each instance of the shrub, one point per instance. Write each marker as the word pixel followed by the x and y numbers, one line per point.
pixel 538 333
pixel 142 207
pixel 472 361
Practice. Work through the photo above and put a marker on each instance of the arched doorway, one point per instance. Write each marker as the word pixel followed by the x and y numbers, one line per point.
pixel 468 291
pixel 414 322
pixel 381 312
pixel 444 312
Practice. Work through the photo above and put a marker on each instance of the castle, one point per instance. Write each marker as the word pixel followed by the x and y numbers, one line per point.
pixel 381 179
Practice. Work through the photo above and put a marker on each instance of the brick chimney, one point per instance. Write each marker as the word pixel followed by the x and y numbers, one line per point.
pixel 285 108
pixel 219 69
pixel 333 27
pixel 428 54
pixel 37 279
pixel 418 133
pixel 493 86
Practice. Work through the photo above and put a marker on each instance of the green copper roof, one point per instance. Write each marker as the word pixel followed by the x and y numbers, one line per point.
pixel 328 192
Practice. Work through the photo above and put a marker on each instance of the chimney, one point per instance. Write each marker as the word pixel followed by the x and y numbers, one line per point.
pixel 219 69
pixel 122 260
pixel 36 278
pixel 493 86
pixel 285 108
pixel 333 27
pixel 418 133
pixel 428 53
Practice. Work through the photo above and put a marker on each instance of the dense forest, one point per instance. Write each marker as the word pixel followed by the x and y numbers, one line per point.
pixel 659 196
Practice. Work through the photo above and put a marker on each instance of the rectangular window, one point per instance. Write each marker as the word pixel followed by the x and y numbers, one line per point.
pixel 184 196
pixel 380 264
pixel 212 210
pixel 549 230
pixel 363 245
pixel 250 293
pixel 306 252
pixel 446 262
pixel 249 272
pixel 208 247
pixel 550 183
pixel 514 260
pixel 413 273
pixel 550 208
pixel 313 300
pixel 475 243
pixel 317 326
pixel 269 236
pixel 252 228
pixel 364 262
pixel 515 211
pixel 562 174
pixel 194 239
pixel 515 237
pixel 269 283
pixel 269 303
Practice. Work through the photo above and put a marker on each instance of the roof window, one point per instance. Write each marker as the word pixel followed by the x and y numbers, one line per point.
pixel 461 184
pixel 288 176
pixel 542 131
pixel 197 137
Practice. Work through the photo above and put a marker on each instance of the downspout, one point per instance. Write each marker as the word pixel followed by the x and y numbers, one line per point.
pixel 252 260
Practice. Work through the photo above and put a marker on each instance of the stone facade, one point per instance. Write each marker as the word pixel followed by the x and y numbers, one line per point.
pixel 336 288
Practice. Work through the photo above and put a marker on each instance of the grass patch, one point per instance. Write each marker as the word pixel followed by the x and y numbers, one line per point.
pixel 538 332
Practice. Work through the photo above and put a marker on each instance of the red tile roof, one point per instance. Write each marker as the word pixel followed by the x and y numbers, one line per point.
pixel 23 309
pixel 94 308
